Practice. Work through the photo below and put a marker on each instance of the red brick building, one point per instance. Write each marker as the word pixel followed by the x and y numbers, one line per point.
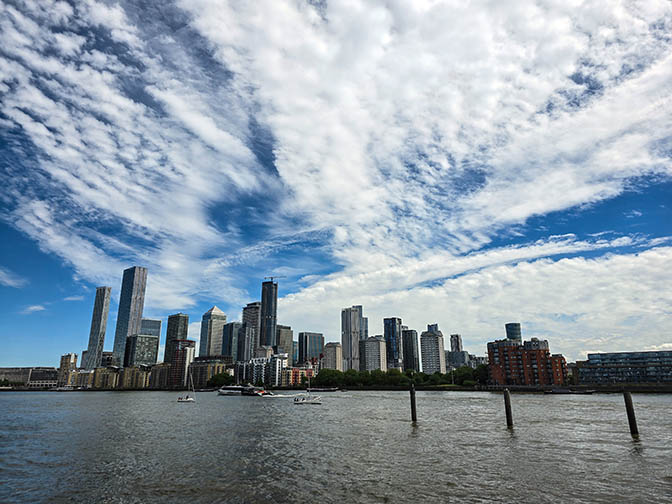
pixel 528 363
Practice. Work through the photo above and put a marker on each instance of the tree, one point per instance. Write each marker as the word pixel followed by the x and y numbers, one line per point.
pixel 221 380
pixel 481 374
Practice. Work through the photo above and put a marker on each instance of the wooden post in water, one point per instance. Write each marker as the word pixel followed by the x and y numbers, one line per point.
pixel 507 407
pixel 631 413
pixel 414 415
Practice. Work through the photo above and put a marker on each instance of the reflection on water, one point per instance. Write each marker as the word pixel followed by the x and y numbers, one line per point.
pixel 355 447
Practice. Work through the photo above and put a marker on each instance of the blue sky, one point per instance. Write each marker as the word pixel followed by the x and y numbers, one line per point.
pixel 469 164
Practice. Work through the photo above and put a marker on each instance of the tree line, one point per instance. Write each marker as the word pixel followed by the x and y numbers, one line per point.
pixel 463 376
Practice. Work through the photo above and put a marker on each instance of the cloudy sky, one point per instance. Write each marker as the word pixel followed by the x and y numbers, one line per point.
pixel 466 163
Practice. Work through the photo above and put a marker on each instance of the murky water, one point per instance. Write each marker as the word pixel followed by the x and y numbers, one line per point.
pixel 356 447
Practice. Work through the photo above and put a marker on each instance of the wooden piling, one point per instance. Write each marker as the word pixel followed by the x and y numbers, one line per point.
pixel 629 408
pixel 507 407
pixel 414 415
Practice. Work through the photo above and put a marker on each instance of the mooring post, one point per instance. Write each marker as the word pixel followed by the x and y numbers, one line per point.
pixel 414 415
pixel 627 397
pixel 507 407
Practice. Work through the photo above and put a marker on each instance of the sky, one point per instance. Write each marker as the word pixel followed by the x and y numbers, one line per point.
pixel 461 163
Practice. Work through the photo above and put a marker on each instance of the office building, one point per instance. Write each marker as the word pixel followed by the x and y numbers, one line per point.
pixel 263 352
pixel 177 329
pixel 455 360
pixel 141 350
pixel 252 319
pixel 151 327
pixel 311 347
pixel 513 331
pixel 159 378
pixel 409 338
pixel 394 347
pixel 134 377
pixel 529 363
pixel 626 367
pixel 432 350
pixel 365 328
pixel 106 377
pixel 269 313
pixel 131 303
pixel 183 356
pixel 204 368
pixel 351 334
pixel 285 339
pixel 101 309
pixel 374 354
pixel 456 343
pixel 295 352
pixel 333 356
pixel 230 333
pixel 67 366
pixel 246 342
pixel 111 359
pixel 212 326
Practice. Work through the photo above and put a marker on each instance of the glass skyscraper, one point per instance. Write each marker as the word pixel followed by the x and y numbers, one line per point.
pixel 393 344
pixel 177 329
pixel 513 331
pixel 409 338
pixel 212 324
pixel 269 313
pixel 230 334
pixel 101 308
pixel 311 346
pixel 351 334
pixel 131 303
pixel 151 327
pixel 252 320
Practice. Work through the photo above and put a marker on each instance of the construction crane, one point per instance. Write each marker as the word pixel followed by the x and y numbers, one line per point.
pixel 272 277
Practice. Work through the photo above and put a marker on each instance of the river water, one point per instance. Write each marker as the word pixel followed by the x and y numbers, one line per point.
pixel 356 447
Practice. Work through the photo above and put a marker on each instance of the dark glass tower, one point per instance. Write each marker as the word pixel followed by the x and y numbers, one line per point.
pixel 230 334
pixel 252 321
pixel 269 313
pixel 411 354
pixel 393 343
pixel 311 346
pixel 177 329
pixel 513 331
pixel 101 309
pixel 131 303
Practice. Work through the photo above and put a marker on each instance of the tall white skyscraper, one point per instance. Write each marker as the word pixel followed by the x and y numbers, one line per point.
pixel 212 332
pixel 351 333
pixel 432 350
pixel 333 356
pixel 101 308
pixel 131 303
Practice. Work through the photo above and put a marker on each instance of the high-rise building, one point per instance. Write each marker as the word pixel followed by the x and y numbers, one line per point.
pixel 183 356
pixel 333 356
pixel 513 331
pixel 177 329
pixel 131 303
pixel 432 350
pixel 456 343
pixel 230 334
pixel 246 341
pixel 375 353
pixel 351 333
pixel 394 347
pixel 285 339
pixel 150 327
pixel 212 325
pixel 365 328
pixel 409 339
pixel 295 351
pixel 252 319
pixel 311 346
pixel 110 359
pixel 141 350
pixel 101 308
pixel 269 313
pixel 68 365
pixel 528 363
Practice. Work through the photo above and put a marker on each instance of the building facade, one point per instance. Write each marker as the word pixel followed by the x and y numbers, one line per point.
pixel 513 331
pixel 393 343
pixel 269 313
pixel 252 320
pixel 351 334
pixel 67 366
pixel 529 363
pixel 204 368
pixel 456 343
pixel 311 346
pixel 374 354
pixel 101 309
pixel 409 338
pixel 246 342
pixel 177 329
pixel 432 350
pixel 131 303
pixel 285 339
pixel 141 350
pixel 151 327
pixel 183 356
pixel 333 356
pixel 626 367
pixel 212 326
pixel 230 333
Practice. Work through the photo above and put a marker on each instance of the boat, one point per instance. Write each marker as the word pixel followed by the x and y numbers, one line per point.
pixel 188 398
pixel 250 390
pixel 567 391
pixel 307 398
pixel 230 390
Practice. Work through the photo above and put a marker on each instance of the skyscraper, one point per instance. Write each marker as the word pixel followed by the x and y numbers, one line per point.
pixel 269 313
pixel 246 339
pixel 409 339
pixel 285 339
pixel 374 354
pixel 101 308
pixel 351 333
pixel 365 328
pixel 183 356
pixel 131 303
pixel 177 329
pixel 252 319
pixel 333 356
pixel 432 350
pixel 393 345
pixel 230 335
pixel 141 350
pixel 513 331
pixel 455 343
pixel 311 346
pixel 212 325
pixel 150 327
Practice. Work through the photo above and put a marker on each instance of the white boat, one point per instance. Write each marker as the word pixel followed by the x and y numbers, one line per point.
pixel 188 398
pixel 307 399
pixel 231 390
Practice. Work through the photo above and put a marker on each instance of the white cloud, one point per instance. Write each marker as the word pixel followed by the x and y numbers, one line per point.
pixel 32 309
pixel 74 298
pixel 10 279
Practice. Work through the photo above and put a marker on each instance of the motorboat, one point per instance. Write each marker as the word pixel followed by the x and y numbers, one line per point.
pixel 230 390
pixel 307 399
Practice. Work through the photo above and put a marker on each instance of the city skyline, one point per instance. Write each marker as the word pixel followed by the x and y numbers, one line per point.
pixel 525 174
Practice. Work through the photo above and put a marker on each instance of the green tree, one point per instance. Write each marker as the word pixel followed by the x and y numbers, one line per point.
pixel 463 373
pixel 221 380
pixel 481 374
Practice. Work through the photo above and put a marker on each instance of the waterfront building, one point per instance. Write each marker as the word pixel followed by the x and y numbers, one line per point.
pixel 67 366
pixel 101 309
pixel 159 377
pixel 263 352
pixel 83 378
pixel 528 363
pixel 456 359
pixel 183 356
pixel 311 346
pixel 141 350
pixel 626 367
pixel 246 339
pixel 110 359
pixel 106 378
pixel 351 334
pixel 285 339
pixel 277 363
pixel 513 331
pixel 252 319
pixel 134 378
pixel 269 313
pixel 85 356
pixel 151 327
pixel 409 338
pixel 333 356
pixel 374 355
pixel 456 343
pixel 432 350
pixel 254 371
pixel 230 333
pixel 393 344
pixel 131 303
pixel 212 325
pixel 204 368
pixel 295 352
pixel 475 361
pixel 177 329
pixel 295 376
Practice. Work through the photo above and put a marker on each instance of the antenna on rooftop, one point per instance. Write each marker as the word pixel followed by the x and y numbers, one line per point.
pixel 272 277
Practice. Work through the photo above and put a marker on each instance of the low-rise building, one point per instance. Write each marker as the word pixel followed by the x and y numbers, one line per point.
pixel 134 378
pixel 293 377
pixel 333 356
pixel 68 364
pixel 159 376
pixel 512 362
pixel 626 367
pixel 106 377
pixel 204 368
